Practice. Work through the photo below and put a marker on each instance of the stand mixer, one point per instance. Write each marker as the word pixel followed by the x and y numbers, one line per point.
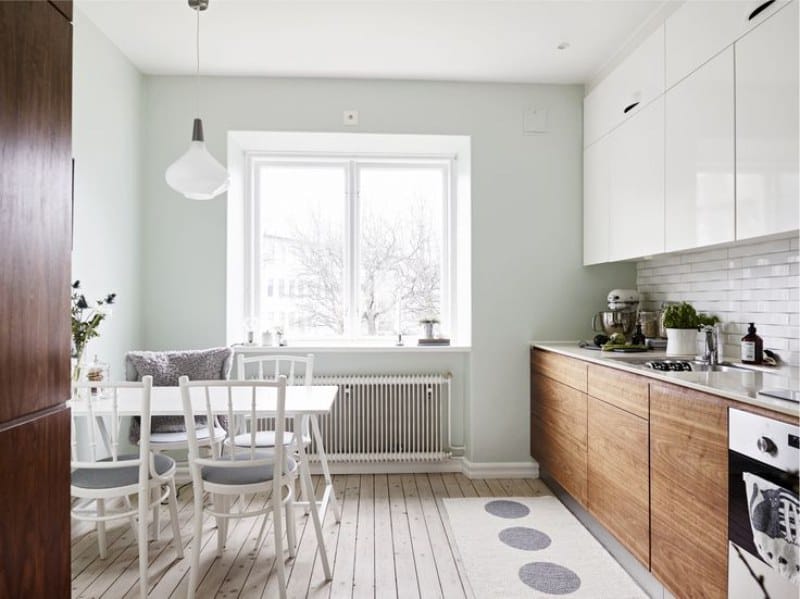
pixel 621 316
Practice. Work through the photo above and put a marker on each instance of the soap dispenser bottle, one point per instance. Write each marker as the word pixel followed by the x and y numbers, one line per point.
pixel 752 346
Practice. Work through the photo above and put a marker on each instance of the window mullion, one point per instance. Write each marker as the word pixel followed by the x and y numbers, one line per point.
pixel 353 275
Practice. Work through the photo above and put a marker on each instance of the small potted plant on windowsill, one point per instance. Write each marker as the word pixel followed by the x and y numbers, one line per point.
pixel 428 323
pixel 681 322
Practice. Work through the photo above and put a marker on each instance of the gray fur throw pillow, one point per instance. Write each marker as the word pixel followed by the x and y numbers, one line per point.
pixel 166 367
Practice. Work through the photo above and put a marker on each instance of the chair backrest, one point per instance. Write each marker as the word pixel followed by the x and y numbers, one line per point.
pixel 97 409
pixel 270 367
pixel 230 399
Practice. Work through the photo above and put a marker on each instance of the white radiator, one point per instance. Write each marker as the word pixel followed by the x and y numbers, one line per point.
pixel 385 418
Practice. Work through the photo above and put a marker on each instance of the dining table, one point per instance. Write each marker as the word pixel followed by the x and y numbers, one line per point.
pixel 301 402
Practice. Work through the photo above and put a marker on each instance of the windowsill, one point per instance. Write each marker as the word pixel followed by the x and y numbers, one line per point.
pixel 351 348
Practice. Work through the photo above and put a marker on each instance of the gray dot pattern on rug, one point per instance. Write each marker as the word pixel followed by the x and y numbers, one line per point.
pixel 503 508
pixel 522 537
pixel 551 578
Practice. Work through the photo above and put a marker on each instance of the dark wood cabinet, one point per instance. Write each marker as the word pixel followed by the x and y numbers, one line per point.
pixel 35 237
pixel 35 207
pixel 35 503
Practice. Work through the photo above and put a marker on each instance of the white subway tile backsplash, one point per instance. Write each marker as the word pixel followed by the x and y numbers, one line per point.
pixel 705 256
pixel 749 282
pixel 713 265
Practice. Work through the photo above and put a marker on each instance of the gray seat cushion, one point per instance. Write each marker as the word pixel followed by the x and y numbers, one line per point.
pixel 166 367
pixel 265 439
pixel 182 436
pixel 248 475
pixel 109 478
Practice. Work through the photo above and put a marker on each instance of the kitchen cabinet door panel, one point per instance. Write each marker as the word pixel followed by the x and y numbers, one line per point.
pixel 629 88
pixel 35 507
pixel 689 491
pixel 560 408
pixel 568 371
pixel 35 219
pixel 636 224
pixel 701 29
pixel 596 201
pixel 699 182
pixel 767 191
pixel 626 391
pixel 618 480
pixel 563 458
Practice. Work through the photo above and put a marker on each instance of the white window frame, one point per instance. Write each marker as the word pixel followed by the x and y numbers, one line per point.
pixel 352 165
pixel 246 146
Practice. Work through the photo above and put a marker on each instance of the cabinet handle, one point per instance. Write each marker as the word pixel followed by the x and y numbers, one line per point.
pixel 635 104
pixel 760 9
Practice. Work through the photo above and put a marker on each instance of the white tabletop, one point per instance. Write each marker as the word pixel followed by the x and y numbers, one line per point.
pixel 166 401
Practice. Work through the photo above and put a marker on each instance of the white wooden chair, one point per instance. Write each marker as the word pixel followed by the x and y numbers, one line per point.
pixel 270 367
pixel 106 475
pixel 241 470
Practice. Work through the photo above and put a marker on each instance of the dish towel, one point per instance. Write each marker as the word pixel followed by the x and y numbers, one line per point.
pixel 774 513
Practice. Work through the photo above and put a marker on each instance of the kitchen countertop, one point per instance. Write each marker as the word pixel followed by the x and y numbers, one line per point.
pixel 742 386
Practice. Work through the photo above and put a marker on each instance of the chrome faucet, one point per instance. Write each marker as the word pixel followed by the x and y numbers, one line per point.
pixel 711 351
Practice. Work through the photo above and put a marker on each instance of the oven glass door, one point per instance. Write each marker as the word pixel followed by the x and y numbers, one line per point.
pixel 740 579
pixel 739 530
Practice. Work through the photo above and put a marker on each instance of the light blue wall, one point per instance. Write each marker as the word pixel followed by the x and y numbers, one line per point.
pixel 527 278
pixel 106 144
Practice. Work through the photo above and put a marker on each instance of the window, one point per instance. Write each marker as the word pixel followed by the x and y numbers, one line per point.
pixel 338 237
pixel 350 247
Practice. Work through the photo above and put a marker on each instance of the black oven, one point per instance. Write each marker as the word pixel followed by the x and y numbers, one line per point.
pixel 763 462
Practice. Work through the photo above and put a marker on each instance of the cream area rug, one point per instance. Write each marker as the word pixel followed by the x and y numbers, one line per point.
pixel 533 547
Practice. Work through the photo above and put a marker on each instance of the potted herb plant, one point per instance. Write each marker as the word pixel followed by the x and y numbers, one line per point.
pixel 428 323
pixel 681 322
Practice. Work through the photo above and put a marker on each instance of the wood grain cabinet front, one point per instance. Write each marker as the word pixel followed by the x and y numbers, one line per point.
pixel 689 491
pixel 618 475
pixel 558 420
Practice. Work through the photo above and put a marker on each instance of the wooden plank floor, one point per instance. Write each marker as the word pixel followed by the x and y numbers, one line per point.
pixel 392 542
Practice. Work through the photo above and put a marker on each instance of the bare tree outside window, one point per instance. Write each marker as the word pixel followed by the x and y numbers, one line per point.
pixel 398 238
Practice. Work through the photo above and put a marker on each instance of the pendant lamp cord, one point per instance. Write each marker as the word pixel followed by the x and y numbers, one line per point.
pixel 197 65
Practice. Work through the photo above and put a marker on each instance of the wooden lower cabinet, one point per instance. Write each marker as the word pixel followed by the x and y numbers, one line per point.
pixel 564 458
pixel 618 475
pixel 558 431
pixel 689 491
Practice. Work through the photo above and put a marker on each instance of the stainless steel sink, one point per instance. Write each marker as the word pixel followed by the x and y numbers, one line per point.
pixel 676 365
pixel 723 367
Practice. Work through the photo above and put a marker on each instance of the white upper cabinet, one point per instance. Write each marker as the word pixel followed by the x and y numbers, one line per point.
pixel 636 214
pixel 767 193
pixel 597 175
pixel 636 82
pixel 700 29
pixel 699 157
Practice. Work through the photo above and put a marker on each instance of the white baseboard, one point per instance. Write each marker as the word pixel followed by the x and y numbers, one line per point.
pixel 457 464
pixel 452 465
pixel 500 469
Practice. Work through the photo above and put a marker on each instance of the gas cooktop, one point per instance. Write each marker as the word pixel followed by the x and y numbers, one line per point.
pixel 670 365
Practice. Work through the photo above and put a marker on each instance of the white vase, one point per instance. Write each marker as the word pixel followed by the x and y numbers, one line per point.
pixel 681 342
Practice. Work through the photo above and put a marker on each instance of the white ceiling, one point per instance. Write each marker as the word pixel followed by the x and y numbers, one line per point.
pixel 489 40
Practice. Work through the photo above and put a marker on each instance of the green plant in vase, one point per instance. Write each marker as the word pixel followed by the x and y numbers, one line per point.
pixel 682 322
pixel 86 320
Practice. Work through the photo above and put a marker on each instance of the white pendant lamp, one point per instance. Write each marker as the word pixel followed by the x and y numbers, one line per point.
pixel 197 174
